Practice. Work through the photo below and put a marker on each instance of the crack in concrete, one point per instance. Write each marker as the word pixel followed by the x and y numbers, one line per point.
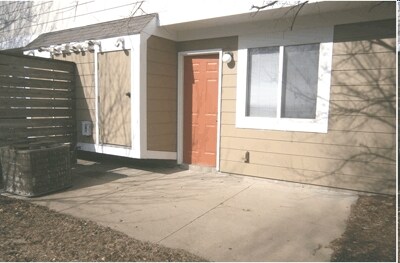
pixel 208 211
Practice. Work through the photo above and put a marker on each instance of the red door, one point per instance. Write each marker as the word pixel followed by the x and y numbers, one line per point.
pixel 200 109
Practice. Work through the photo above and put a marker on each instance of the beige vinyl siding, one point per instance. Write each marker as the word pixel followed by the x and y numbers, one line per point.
pixel 161 94
pixel 358 152
pixel 85 92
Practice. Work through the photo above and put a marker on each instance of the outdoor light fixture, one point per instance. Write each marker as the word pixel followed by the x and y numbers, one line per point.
pixel 227 57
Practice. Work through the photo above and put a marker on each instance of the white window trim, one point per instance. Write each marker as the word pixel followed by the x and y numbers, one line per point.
pixel 323 36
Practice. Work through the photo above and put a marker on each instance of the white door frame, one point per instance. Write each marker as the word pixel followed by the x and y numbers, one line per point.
pixel 180 131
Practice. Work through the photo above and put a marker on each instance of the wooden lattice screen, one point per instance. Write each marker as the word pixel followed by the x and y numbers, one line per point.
pixel 37 100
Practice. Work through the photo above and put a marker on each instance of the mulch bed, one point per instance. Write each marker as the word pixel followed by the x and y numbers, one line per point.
pixel 30 232
pixel 370 233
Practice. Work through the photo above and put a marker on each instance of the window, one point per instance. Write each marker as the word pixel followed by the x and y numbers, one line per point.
pixel 284 87
pixel 262 85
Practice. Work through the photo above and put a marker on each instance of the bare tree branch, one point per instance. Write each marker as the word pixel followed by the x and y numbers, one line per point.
pixel 262 7
pixel 137 8
pixel 299 6
pixel 297 12
pixel 376 5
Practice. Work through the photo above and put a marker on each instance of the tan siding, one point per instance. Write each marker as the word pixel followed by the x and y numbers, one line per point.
pixel 373 31
pixel 229 93
pixel 364 61
pixel 228 80
pixel 163 69
pixel 302 162
pixel 363 77
pixel 376 108
pixel 165 56
pixel 159 81
pixel 367 139
pixel 358 152
pixel 228 106
pixel 364 183
pixel 161 118
pixel 161 106
pixel 161 94
pixel 353 92
pixel 84 93
pixel 306 149
pixel 365 46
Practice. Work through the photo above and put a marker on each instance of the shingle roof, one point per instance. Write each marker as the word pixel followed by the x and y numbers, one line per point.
pixel 121 27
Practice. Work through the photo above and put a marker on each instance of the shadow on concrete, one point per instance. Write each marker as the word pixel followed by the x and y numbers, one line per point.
pixel 151 165
pixel 97 169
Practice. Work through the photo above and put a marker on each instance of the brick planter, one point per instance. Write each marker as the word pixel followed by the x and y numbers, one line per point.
pixel 33 172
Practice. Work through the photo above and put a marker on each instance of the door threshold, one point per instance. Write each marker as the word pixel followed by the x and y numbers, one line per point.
pixel 198 168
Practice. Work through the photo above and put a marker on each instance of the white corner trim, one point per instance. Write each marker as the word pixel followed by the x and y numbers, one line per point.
pixel 179 139
pixel 136 97
pixel 218 161
pixel 180 131
pixel 96 94
pixel 142 88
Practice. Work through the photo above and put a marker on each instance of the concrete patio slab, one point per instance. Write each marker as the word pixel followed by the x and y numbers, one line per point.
pixel 217 216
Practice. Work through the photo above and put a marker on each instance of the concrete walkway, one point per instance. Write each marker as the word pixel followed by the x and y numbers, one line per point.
pixel 217 216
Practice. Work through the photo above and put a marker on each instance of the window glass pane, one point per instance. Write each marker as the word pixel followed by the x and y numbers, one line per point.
pixel 300 81
pixel 262 88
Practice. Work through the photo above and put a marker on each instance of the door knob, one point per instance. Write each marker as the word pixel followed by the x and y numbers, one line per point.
pixel 128 94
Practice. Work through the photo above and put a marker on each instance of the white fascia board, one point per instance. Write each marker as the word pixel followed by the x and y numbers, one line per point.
pixel 183 11
pixel 228 26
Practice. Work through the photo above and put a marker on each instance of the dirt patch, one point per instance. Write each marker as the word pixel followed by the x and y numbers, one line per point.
pixel 370 233
pixel 30 232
